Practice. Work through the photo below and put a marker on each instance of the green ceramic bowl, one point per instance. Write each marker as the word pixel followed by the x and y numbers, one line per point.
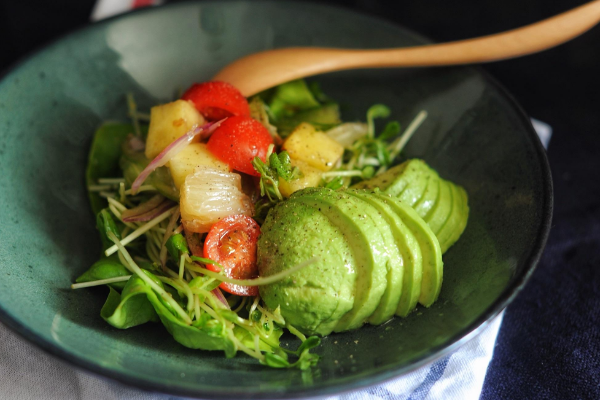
pixel 52 102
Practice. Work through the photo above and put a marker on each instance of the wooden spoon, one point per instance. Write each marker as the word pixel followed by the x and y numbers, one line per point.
pixel 260 71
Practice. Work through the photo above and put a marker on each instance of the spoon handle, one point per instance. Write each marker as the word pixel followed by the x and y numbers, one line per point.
pixel 529 39
pixel 263 70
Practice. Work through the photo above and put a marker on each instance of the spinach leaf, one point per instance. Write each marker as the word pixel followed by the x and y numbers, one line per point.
pixel 105 223
pixel 291 97
pixel 323 117
pixel 207 334
pixel 103 159
pixel 131 307
pixel 247 340
pixel 105 268
pixel 209 337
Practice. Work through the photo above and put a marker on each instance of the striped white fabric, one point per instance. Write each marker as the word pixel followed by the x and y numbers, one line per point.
pixel 458 376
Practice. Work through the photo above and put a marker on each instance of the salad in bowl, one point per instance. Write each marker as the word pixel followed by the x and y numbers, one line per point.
pixel 231 220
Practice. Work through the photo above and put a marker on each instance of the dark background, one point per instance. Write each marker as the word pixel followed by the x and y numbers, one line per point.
pixel 549 343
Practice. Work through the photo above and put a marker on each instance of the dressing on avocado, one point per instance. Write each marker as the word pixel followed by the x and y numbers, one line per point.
pixel 396 259
pixel 441 203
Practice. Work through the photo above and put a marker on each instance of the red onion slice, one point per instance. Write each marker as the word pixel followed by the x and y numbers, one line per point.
pixel 171 150
pixel 147 210
pixel 221 298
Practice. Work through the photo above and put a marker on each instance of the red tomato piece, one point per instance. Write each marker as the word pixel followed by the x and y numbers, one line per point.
pixel 232 243
pixel 238 140
pixel 217 100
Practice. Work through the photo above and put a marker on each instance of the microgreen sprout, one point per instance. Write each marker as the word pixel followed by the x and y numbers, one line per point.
pixel 372 154
pixel 276 167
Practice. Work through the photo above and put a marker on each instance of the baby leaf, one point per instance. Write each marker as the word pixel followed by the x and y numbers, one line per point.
pixel 210 336
pixel 191 336
pixel 247 340
pixel 105 223
pixel 323 117
pixel 103 160
pixel 291 97
pixel 105 268
pixel 201 322
pixel 130 308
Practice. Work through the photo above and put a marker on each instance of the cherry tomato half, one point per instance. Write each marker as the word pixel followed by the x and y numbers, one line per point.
pixel 232 243
pixel 217 100
pixel 238 140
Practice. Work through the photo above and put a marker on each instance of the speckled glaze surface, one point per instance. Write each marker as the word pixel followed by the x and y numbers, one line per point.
pixel 52 102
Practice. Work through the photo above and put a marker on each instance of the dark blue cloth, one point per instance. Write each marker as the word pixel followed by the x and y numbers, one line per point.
pixel 549 344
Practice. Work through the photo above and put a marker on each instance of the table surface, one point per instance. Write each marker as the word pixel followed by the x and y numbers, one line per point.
pixel 549 342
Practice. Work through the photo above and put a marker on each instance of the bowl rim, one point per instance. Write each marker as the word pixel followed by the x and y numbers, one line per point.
pixel 377 376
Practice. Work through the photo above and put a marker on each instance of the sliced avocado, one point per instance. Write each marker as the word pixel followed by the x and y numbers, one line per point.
pixel 447 230
pixel 456 223
pixel 386 181
pixel 417 176
pixel 407 181
pixel 431 252
pixel 407 266
pixel 429 198
pixel 316 297
pixel 465 212
pixel 359 222
pixel 442 209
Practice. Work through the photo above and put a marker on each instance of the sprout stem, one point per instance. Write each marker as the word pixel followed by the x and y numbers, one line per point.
pixel 100 282
pixel 396 147
pixel 257 281
pixel 133 267
pixel 140 231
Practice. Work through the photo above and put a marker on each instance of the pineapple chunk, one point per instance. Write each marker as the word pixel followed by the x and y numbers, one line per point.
pixel 210 194
pixel 168 122
pixel 192 156
pixel 309 177
pixel 313 147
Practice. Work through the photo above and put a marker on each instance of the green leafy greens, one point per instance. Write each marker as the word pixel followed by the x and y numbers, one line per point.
pixel 278 166
pixel 294 102
pixel 372 154
pixel 145 287
pixel 149 267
